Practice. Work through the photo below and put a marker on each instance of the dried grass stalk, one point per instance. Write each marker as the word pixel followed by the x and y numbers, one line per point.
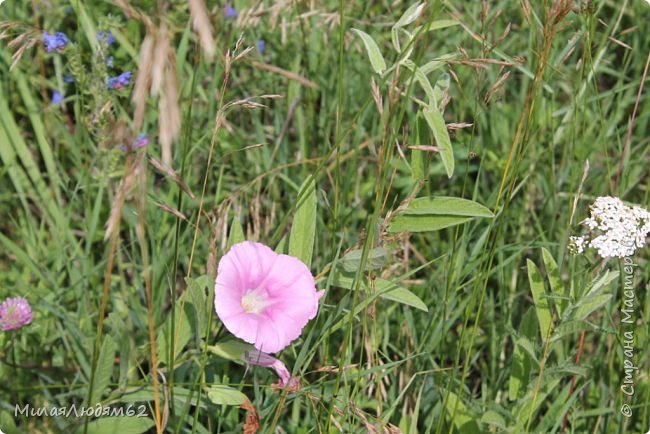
pixel 169 172
pixel 172 211
pixel 202 26
pixel 142 81
pixel 170 113
pixel 160 55
pixel 126 187
pixel 288 74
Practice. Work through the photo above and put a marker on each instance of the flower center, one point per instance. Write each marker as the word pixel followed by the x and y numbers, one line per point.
pixel 254 301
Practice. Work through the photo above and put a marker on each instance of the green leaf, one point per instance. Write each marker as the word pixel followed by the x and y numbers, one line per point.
pixel 376 59
pixel 431 66
pixel 424 223
pixel 182 396
pixel 465 422
pixel 411 14
pixel 303 229
pixel 567 327
pixel 602 281
pixel 530 404
pixel 104 369
pixel 236 233
pixel 413 423
pixel 119 425
pixel 435 213
pixel 447 206
pixel 180 337
pixel 422 79
pixel 441 24
pixel 282 245
pixel 224 395
pixel 230 349
pixel 400 295
pixel 199 301
pixel 553 274
pixel 7 422
pixel 493 418
pixel 377 258
pixel 419 158
pixel 589 304
pixel 384 289
pixel 523 356
pixel 417 164
pixel 440 88
pixel 540 298
pixel 437 124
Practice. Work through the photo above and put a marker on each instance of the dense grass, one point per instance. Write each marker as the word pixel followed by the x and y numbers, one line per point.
pixel 541 89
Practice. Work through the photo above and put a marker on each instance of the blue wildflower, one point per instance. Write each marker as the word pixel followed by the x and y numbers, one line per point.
pixel 120 81
pixel 261 46
pixel 57 97
pixel 141 141
pixel 68 78
pixel 110 61
pixel 105 36
pixel 55 42
pixel 230 11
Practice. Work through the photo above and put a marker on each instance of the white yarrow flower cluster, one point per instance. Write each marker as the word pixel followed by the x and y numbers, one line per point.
pixel 619 229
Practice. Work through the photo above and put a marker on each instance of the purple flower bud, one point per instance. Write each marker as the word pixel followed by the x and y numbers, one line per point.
pixel 120 81
pixel 57 97
pixel 55 42
pixel 14 313
pixel 105 36
pixel 258 358
pixel 261 46
pixel 230 12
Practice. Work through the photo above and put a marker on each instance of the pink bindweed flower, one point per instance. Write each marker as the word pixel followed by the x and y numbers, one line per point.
pixel 263 297
pixel 14 313
pixel 258 358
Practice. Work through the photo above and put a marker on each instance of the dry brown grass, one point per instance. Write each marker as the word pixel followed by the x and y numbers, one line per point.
pixel 202 26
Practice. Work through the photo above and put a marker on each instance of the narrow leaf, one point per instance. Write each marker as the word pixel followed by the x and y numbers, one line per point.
pixel 424 223
pixel 553 274
pixel 493 418
pixel 376 259
pixel 385 289
pixel 523 358
pixel 230 349
pixel 465 422
pixel 444 205
pixel 198 298
pixel 419 158
pixel 104 370
pixel 410 15
pixel 441 24
pixel 540 298
pixel 376 59
pixel 441 135
pixel 589 304
pixel 236 234
pixel 119 425
pixel 422 79
pixel 568 327
pixel 602 281
pixel 224 395
pixel 181 335
pixel 303 229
